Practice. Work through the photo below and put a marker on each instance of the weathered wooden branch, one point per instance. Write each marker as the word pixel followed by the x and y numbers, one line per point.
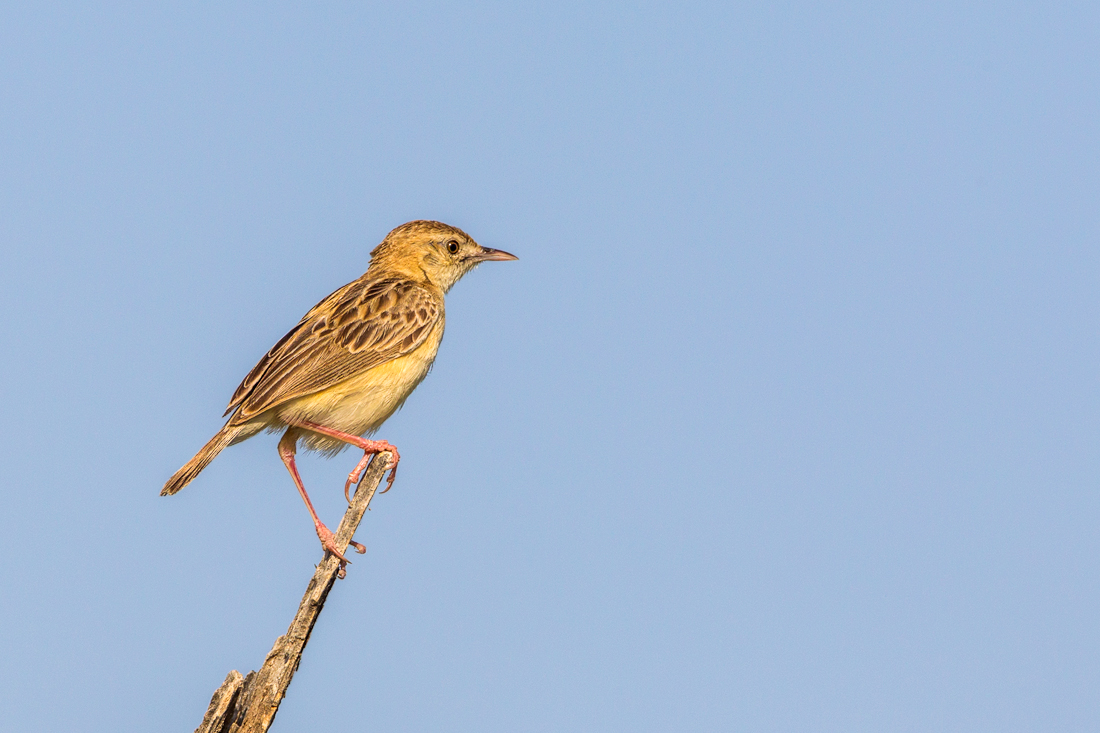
pixel 248 704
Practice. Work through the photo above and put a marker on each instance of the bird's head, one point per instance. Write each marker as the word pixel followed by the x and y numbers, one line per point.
pixel 432 250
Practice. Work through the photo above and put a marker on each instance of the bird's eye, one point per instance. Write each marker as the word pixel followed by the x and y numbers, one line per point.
pixel 452 247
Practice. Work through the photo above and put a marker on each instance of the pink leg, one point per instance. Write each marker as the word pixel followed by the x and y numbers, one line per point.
pixel 369 448
pixel 287 449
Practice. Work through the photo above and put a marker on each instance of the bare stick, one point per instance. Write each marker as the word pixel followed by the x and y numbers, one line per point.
pixel 249 704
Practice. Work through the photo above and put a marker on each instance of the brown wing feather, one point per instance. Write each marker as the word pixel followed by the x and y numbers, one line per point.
pixel 360 326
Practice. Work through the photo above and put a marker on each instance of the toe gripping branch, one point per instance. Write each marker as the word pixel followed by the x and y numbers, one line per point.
pixel 373 448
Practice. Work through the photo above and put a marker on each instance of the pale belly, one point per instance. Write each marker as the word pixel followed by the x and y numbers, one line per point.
pixel 361 404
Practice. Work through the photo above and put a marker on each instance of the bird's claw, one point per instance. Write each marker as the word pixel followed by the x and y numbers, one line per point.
pixel 389 481
pixel 341 572
pixel 328 543
pixel 357 474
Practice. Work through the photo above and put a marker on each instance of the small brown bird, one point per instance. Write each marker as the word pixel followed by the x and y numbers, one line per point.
pixel 353 359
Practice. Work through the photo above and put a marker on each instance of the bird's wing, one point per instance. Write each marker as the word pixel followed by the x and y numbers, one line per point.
pixel 360 326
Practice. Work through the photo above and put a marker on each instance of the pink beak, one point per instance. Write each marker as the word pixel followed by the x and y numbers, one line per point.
pixel 500 255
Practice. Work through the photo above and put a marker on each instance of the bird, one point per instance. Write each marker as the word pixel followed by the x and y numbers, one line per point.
pixel 352 360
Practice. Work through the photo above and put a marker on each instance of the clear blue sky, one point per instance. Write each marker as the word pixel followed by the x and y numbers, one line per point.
pixel 787 418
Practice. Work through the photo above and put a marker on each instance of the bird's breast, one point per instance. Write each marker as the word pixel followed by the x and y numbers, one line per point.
pixel 360 404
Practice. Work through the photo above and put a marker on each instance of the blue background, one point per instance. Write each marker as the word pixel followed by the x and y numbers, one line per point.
pixel 786 419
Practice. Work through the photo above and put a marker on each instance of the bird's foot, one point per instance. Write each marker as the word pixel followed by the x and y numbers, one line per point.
pixel 328 544
pixel 370 449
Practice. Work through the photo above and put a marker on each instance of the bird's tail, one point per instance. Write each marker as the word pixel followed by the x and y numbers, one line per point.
pixel 201 460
